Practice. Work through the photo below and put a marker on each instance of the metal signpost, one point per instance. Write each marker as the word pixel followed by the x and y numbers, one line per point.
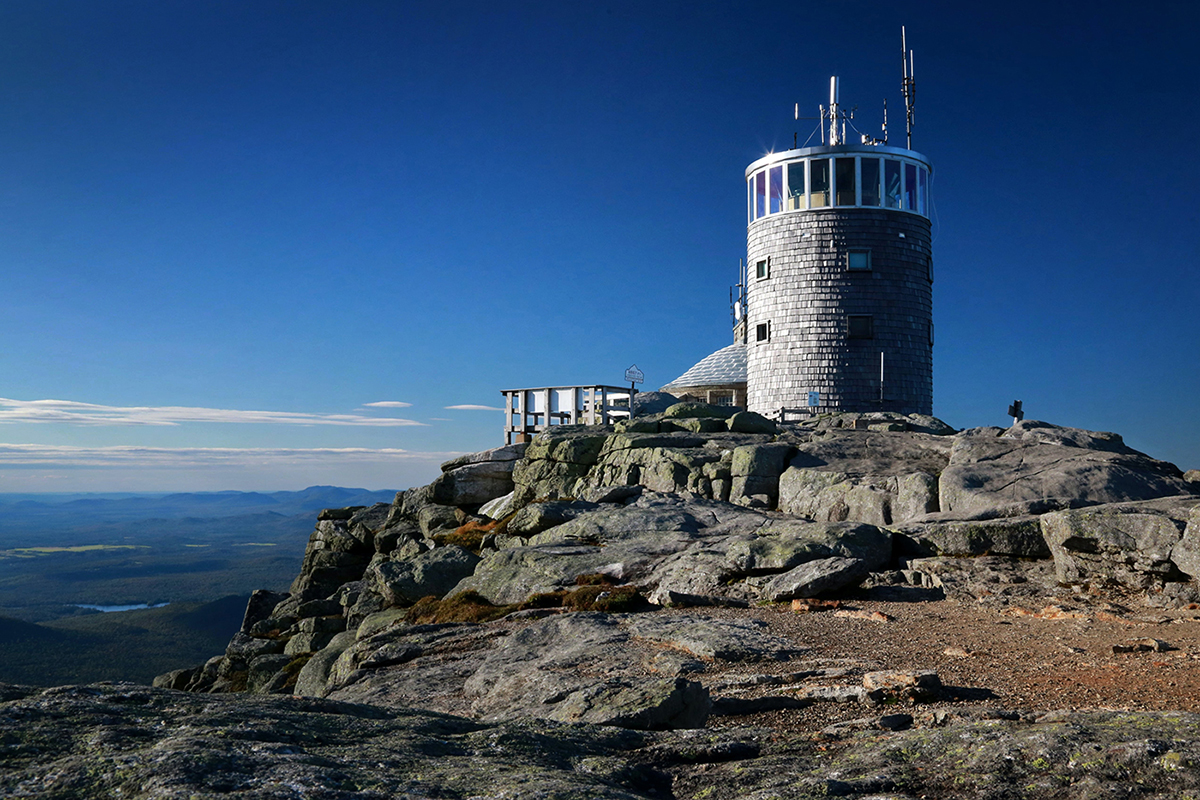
pixel 633 375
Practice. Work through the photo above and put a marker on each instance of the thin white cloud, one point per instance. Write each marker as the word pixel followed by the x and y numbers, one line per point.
pixel 470 407
pixel 388 404
pixel 71 412
pixel 16 456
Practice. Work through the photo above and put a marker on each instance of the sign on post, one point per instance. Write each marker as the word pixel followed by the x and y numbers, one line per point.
pixel 814 399
pixel 633 375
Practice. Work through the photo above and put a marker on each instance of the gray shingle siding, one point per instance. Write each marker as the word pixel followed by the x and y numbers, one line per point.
pixel 810 295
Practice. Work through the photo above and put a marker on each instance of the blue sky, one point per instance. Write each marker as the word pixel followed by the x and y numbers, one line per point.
pixel 272 244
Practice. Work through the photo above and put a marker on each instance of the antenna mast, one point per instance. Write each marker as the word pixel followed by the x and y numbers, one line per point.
pixel 908 86
pixel 834 137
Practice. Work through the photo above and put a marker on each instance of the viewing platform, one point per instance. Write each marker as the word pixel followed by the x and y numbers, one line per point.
pixel 527 411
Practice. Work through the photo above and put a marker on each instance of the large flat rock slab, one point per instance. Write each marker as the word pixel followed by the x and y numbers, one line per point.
pixel 108 741
pixel 620 669
pixel 1133 545
pixel 861 452
pixel 1035 467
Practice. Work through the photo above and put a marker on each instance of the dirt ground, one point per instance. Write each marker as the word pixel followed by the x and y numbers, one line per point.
pixel 1051 649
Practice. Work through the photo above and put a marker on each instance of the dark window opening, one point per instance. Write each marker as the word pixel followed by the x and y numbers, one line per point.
pixel 795 180
pixel 858 260
pixel 762 332
pixel 891 183
pixel 846 195
pixel 861 326
pixel 818 182
pixel 870 181
pixel 763 269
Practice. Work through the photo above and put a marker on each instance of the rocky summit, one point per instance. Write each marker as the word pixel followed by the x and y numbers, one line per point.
pixel 694 603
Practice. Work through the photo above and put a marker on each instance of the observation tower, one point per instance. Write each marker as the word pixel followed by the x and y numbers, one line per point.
pixel 838 290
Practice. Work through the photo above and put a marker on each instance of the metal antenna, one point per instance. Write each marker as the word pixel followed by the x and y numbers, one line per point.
pixel 885 120
pixel 796 135
pixel 737 305
pixel 908 86
pixel 834 137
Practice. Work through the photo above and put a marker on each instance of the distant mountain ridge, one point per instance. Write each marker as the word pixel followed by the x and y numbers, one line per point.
pixel 21 509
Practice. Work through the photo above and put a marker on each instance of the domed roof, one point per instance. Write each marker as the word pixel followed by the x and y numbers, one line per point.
pixel 727 365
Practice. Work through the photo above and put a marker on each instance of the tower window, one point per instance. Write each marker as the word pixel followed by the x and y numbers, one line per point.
pixel 891 183
pixel 846 194
pixel 762 269
pixel 818 182
pixel 762 331
pixel 870 181
pixel 861 326
pixel 795 181
pixel 776 189
pixel 910 187
pixel 858 260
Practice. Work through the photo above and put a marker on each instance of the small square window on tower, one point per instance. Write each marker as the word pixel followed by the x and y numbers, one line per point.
pixel 861 326
pixel 763 269
pixel 762 331
pixel 858 260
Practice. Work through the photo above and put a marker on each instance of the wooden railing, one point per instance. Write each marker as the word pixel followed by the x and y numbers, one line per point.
pixel 527 411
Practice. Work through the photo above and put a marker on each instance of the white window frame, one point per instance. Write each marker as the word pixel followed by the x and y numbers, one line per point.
pixel 920 198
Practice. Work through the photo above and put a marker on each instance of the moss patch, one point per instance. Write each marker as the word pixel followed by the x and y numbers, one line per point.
pixel 469 606
pixel 466 606
pixel 468 536
pixel 292 670
pixel 595 593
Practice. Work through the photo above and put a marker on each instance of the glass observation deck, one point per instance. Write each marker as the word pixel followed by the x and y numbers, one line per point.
pixel 838 176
